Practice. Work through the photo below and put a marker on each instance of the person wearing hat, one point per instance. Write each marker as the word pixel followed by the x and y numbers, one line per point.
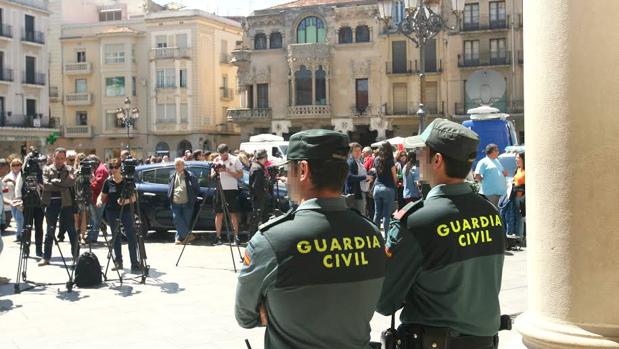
pixel 445 261
pixel 258 190
pixel 314 275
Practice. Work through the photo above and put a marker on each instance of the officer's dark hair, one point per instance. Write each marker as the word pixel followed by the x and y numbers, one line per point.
pixel 326 174
pixel 455 168
pixel 490 148
pixel 223 148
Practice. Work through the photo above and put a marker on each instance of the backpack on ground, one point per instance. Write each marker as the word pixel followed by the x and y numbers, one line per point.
pixel 88 271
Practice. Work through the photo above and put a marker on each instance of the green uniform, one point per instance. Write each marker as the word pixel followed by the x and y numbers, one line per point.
pixel 319 271
pixel 446 263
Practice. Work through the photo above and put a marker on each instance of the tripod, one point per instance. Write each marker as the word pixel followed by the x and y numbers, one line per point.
pixel 128 192
pixel 193 224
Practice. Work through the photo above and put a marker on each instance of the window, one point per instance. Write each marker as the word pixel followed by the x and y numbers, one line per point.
pixel 161 41
pixel 81 56
pixel 344 35
pixel 158 175
pixel 361 95
pixel 263 95
pixel 250 96
pixel 134 87
pixel 260 42
pixel 166 112
pixel 362 33
pixel 497 14
pixel 498 54
pixel 311 30
pixel 111 121
pixel 398 53
pixel 276 40
pixel 397 12
pixel 80 86
pixel 183 77
pixel 471 51
pixel 110 15
pixel 115 86
pixel 181 40
pixel 184 112
pixel 471 17
pixel 81 118
pixel 203 173
pixel 303 86
pixel 31 107
pixel 166 78
pixel 321 86
pixel 114 53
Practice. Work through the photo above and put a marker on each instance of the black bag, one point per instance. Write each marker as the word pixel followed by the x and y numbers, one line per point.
pixel 88 270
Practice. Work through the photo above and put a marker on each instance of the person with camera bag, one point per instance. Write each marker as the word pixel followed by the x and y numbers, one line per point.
pixel 445 253
pixel 258 189
pixel 58 179
pixel 31 188
pixel 230 169
pixel 112 196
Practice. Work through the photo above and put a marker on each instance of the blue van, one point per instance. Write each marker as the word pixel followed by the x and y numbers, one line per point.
pixel 492 127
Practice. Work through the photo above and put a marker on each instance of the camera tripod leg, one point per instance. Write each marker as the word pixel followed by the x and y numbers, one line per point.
pixel 140 235
pixel 193 225
pixel 226 221
pixel 110 250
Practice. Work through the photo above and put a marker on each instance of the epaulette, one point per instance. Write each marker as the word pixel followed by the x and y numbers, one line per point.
pixel 408 209
pixel 277 220
pixel 367 219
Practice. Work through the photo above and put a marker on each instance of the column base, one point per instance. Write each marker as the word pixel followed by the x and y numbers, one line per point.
pixel 545 333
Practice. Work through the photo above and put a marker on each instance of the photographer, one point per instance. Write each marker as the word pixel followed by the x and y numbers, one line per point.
pixel 96 185
pixel 82 194
pixel 111 196
pixel 258 189
pixel 12 196
pixel 58 179
pixel 31 187
pixel 229 169
pixel 183 191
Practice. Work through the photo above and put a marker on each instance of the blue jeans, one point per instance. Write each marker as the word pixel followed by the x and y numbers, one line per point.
pixel 181 215
pixel 384 198
pixel 96 214
pixel 53 211
pixel 19 220
pixel 127 223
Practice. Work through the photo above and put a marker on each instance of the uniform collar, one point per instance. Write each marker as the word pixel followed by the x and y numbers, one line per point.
pixel 449 190
pixel 330 204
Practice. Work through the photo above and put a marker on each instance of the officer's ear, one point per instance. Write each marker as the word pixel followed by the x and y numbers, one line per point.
pixel 303 169
pixel 437 161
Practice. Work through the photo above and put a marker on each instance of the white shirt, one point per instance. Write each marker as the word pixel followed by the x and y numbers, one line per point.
pixel 232 164
pixel 12 187
pixel 361 171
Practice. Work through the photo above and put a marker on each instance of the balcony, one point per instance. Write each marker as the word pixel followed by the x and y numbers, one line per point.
pixel 485 23
pixel 249 114
pixel 33 36
pixel 309 111
pixel 78 131
pixel 74 99
pixel 516 107
pixel 395 69
pixel 77 68
pixel 6 74
pixel 39 4
pixel 53 94
pixel 170 53
pixel 32 78
pixel 361 111
pixel 240 57
pixel 485 59
pixel 6 31
pixel 165 85
pixel 410 108
pixel 308 52
pixel 7 119
pixel 226 93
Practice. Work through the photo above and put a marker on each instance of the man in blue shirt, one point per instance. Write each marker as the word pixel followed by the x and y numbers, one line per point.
pixel 491 174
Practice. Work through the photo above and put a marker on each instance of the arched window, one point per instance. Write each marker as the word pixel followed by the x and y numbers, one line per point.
pixel 303 86
pixel 162 148
pixel 182 146
pixel 345 35
pixel 321 86
pixel 276 40
pixel 311 30
pixel 362 33
pixel 260 42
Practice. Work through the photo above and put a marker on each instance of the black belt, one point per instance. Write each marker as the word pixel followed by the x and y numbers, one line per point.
pixel 427 337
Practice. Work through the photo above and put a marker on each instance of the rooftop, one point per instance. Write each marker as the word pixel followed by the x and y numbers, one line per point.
pixel 308 3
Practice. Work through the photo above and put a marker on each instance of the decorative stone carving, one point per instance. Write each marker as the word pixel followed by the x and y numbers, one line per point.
pixel 280 127
pixel 361 69
pixel 262 76
pixel 381 126
pixel 343 125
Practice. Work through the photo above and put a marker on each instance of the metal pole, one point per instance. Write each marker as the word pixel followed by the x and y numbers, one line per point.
pixel 422 78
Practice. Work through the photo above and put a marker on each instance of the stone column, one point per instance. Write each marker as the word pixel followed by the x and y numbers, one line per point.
pixel 572 130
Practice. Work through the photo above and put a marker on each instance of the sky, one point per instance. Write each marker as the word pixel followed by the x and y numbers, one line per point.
pixel 227 7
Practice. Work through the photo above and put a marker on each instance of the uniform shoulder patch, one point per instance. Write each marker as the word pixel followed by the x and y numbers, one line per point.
pixel 408 209
pixel 277 220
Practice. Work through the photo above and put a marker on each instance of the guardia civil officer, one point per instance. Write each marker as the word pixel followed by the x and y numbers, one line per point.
pixel 314 275
pixel 445 263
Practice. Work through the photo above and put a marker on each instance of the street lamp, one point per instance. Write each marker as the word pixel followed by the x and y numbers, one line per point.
pixel 419 24
pixel 128 116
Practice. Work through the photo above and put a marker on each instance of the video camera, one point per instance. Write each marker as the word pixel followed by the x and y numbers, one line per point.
pixel 86 167
pixel 32 176
pixel 127 168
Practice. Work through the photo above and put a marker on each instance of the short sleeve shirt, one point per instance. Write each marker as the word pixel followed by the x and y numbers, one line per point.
pixel 493 182
pixel 113 191
pixel 227 181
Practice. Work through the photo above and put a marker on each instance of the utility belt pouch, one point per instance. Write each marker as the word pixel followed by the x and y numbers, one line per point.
pixel 389 336
pixel 418 337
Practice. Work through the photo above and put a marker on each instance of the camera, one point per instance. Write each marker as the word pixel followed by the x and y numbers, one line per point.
pixel 219 166
pixel 86 167
pixel 32 175
pixel 127 167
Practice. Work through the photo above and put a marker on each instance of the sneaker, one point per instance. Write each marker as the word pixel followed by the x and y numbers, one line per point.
pixel 60 238
pixel 189 238
pixel 237 241
pixel 43 263
pixel 117 266
pixel 218 241
pixel 178 242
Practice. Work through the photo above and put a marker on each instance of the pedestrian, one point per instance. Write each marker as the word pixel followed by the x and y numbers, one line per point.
pixel 368 163
pixel 229 169
pixel 357 181
pixel 400 161
pixel 244 159
pixel 58 179
pixel 410 179
pixel 12 196
pixel 446 256
pixel 385 187
pixel 81 200
pixel 5 168
pixel 183 192
pixel 165 159
pixel 258 190
pixel 34 211
pixel 71 161
pixel 491 174
pixel 313 276
pixel 124 154
pixel 101 174
pixel 115 200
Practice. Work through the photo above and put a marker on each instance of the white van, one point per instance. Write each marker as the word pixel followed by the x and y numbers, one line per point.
pixel 276 147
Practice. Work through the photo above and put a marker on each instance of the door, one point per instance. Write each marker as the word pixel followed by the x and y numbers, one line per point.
pixel 2 112
pixel 398 53
pixel 2 73
pixel 29 27
pixel 431 98
pixel 30 69
pixel 400 99
pixel 430 56
pixel 31 107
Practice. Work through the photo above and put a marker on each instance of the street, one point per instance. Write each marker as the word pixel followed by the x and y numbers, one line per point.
pixel 189 306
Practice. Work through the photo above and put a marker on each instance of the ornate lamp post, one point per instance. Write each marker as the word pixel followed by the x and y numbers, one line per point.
pixel 128 116
pixel 419 24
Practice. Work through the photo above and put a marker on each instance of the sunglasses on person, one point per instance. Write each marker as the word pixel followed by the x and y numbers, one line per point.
pixel 115 166
pixel 15 165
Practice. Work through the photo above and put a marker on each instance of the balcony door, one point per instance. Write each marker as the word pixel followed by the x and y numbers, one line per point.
pixel 2 112
pixel 30 69
pixel 29 24
pixel 400 98
pixel 430 56
pixel 31 107
pixel 398 52
pixel 2 63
